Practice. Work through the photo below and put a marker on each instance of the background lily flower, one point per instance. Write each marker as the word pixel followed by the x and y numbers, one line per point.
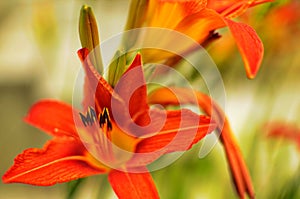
pixel 284 18
pixel 287 131
pixel 198 20
pixel 66 157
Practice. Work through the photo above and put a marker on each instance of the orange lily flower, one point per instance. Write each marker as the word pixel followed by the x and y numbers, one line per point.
pixel 238 168
pixel 66 157
pixel 199 19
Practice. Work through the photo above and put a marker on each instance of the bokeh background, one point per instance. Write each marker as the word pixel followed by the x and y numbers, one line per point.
pixel 38 45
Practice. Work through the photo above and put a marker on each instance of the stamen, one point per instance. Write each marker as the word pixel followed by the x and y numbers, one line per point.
pixel 106 152
pixel 89 118
pixel 104 119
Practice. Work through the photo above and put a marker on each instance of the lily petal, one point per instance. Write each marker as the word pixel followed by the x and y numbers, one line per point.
pixel 61 160
pixel 233 8
pixel 132 89
pixel 182 129
pixel 237 165
pixel 132 185
pixel 53 117
pixel 249 45
pixel 168 13
pixel 199 25
pixel 280 129
pixel 97 92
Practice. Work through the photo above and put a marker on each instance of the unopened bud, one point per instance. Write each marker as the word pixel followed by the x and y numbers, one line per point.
pixel 136 17
pixel 116 68
pixel 89 37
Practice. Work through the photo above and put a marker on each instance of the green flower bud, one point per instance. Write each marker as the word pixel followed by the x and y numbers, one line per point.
pixel 116 68
pixel 89 37
pixel 136 17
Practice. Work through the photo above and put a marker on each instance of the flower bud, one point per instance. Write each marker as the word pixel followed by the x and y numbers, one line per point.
pixel 136 17
pixel 89 37
pixel 116 68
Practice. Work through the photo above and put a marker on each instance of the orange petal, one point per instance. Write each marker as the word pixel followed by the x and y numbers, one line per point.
pixel 188 6
pixel 258 2
pixel 249 45
pixel 60 160
pixel 90 79
pixel 237 165
pixel 97 92
pixel 220 6
pixel 238 168
pixel 181 130
pixel 233 8
pixel 132 185
pixel 198 26
pixel 54 117
pixel 132 89
pixel 186 127
pixel 168 13
pixel 288 131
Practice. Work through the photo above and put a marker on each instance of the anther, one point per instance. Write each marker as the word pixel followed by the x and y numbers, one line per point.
pixel 104 119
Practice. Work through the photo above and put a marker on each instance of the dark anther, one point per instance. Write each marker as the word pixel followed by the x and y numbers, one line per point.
pixel 104 118
pixel 89 118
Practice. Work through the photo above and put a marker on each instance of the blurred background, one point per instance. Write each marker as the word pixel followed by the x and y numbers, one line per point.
pixel 38 45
